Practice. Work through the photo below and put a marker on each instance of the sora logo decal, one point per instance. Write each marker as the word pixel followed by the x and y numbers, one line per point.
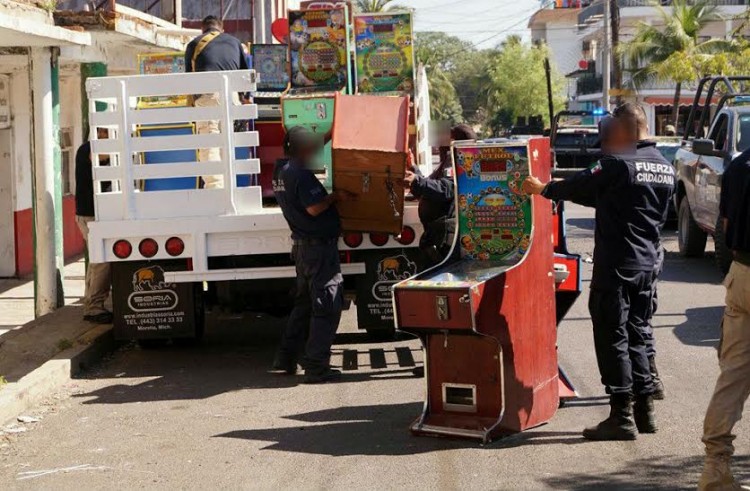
pixel 391 270
pixel 150 292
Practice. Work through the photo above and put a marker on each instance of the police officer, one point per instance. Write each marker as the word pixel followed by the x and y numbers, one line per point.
pixel 647 146
pixel 632 192
pixel 733 386
pixel 213 51
pixel 437 210
pixel 312 217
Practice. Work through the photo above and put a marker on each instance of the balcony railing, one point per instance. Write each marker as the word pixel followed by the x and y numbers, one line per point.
pixel 595 12
pixel 589 84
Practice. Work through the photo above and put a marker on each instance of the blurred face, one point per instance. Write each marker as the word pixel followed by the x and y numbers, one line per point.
pixel 617 138
pixel 307 153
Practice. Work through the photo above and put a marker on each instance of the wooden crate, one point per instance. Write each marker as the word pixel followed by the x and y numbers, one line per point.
pixel 370 148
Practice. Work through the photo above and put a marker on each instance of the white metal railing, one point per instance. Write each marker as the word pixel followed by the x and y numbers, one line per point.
pixel 124 146
pixel 422 107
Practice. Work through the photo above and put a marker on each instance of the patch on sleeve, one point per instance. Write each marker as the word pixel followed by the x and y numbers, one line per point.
pixel 597 168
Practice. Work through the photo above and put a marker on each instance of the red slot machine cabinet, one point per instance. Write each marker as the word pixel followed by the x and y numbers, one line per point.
pixel 487 321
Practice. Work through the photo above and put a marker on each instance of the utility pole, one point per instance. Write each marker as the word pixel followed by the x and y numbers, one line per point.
pixel 606 59
pixel 550 103
pixel 614 13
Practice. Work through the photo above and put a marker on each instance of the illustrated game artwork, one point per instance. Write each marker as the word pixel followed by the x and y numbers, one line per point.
pixel 494 216
pixel 270 62
pixel 318 46
pixel 384 52
pixel 156 64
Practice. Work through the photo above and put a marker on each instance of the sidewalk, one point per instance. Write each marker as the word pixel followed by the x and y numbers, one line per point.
pixel 17 297
pixel 39 355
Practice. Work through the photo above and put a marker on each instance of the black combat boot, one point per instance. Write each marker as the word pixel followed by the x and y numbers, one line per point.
pixel 284 363
pixel 619 425
pixel 643 413
pixel 658 384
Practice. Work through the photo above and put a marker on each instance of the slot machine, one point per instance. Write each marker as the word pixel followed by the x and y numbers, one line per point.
pixel 271 63
pixel 487 316
pixel 319 50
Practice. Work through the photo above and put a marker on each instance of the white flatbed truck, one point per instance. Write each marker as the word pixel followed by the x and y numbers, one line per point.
pixel 165 246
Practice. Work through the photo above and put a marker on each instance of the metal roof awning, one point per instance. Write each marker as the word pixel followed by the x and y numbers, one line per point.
pixel 23 25
pixel 668 101
pixel 127 26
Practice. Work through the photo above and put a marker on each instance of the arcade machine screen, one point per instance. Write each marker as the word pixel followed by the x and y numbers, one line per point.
pixel 318 46
pixel 271 65
pixel 384 53
pixel 494 216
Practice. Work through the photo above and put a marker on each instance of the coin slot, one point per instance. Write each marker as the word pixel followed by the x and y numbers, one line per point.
pixel 460 398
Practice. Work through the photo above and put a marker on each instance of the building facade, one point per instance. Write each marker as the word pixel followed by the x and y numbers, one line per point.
pixel 656 98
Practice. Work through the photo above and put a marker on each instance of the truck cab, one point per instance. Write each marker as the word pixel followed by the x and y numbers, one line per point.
pixel 706 151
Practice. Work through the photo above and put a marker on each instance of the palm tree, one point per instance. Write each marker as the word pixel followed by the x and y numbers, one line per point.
pixel 362 6
pixel 672 49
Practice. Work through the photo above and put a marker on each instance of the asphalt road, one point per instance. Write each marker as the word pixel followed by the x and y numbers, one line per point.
pixel 210 417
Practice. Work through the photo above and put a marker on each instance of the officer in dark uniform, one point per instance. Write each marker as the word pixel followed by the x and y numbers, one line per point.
pixel 312 217
pixel 632 192
pixel 437 210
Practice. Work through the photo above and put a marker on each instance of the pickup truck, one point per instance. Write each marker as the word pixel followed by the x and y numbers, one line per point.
pixel 702 159
pixel 574 138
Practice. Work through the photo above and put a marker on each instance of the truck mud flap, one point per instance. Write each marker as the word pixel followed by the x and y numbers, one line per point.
pixel 383 270
pixel 147 307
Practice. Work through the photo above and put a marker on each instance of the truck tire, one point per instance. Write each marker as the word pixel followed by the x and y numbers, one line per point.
pixel 690 238
pixel 724 256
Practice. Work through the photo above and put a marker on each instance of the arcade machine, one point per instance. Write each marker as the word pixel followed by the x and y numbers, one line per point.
pixel 271 63
pixel 320 67
pixel 487 320
pixel 384 56
pixel 156 63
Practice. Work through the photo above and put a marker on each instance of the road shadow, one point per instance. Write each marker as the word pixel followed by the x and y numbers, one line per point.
pixel 702 326
pixel 582 223
pixel 648 474
pixel 680 269
pixel 375 430
pixel 232 357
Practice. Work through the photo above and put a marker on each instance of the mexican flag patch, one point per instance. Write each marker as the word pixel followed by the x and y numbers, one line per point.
pixel 597 168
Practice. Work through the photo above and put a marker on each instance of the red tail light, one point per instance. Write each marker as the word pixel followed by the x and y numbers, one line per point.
pixel 148 248
pixel 379 239
pixel 122 249
pixel 407 236
pixel 353 239
pixel 174 246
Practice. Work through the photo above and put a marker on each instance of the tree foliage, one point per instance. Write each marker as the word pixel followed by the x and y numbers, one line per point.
pixel 489 87
pixel 671 50
pixel 362 6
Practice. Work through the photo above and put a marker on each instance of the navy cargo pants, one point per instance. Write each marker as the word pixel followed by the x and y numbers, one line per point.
pixel 318 303
pixel 620 305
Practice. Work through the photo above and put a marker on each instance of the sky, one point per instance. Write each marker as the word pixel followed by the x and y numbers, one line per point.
pixel 483 22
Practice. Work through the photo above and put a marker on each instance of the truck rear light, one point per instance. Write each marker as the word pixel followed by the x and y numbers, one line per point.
pixel 174 246
pixel 353 239
pixel 122 249
pixel 148 248
pixel 407 236
pixel 379 239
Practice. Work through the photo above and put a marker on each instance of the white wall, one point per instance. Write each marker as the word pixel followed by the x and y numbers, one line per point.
pixel 565 45
pixel 21 114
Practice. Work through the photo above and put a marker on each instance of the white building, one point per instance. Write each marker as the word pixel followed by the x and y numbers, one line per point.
pixel 655 98
pixel 557 29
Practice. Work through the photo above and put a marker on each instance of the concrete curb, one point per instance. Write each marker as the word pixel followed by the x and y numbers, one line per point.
pixel 30 390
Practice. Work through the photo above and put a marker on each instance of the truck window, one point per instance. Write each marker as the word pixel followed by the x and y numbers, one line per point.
pixel 719 132
pixel 743 133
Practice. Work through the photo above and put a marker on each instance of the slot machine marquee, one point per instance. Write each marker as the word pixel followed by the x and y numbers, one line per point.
pixel 487 321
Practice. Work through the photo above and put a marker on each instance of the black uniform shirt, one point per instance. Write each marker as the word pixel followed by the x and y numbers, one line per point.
pixel 735 202
pixel 224 52
pixel 632 193
pixel 297 188
pixel 85 182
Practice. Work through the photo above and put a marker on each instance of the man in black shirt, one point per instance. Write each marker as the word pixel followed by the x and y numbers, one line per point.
pixel 213 51
pixel 733 386
pixel 312 217
pixel 631 195
pixel 98 276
